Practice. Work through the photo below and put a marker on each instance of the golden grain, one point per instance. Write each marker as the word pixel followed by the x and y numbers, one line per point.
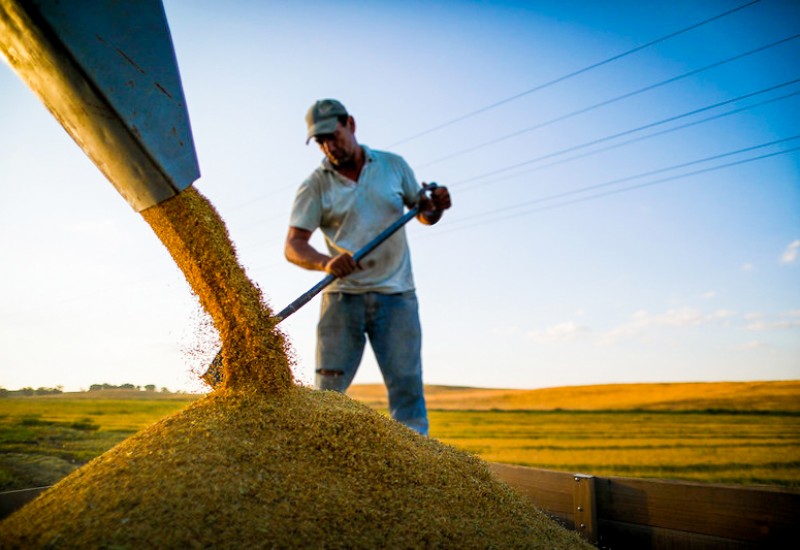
pixel 253 350
pixel 298 469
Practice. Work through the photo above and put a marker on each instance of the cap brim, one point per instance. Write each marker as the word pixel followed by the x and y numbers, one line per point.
pixel 325 126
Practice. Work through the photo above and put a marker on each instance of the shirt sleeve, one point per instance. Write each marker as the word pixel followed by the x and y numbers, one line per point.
pixel 307 208
pixel 410 185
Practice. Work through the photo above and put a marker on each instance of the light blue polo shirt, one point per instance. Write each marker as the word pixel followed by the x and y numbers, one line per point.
pixel 350 214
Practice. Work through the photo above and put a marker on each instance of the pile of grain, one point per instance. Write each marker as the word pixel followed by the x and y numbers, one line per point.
pixel 300 469
pixel 264 463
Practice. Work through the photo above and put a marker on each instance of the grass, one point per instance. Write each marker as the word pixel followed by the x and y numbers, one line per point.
pixel 42 439
pixel 726 441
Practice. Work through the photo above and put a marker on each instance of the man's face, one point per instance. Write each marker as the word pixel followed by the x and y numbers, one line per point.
pixel 340 146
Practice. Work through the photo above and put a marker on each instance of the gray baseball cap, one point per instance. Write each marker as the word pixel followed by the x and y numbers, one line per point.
pixel 322 116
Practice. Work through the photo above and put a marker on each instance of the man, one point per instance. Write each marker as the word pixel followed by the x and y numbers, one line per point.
pixel 354 195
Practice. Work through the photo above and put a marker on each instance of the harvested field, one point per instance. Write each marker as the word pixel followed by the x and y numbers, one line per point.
pixel 771 396
pixel 295 469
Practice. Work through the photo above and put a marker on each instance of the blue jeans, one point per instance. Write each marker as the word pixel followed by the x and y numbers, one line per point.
pixel 391 321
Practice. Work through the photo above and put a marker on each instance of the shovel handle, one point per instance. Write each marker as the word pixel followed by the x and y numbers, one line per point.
pixel 213 371
pixel 358 256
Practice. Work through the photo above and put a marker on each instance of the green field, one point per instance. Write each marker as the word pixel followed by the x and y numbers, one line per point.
pixel 739 448
pixel 44 438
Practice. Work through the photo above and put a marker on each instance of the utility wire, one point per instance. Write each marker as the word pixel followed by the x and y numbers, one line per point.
pixel 475 184
pixel 537 159
pixel 629 178
pixel 610 101
pixel 611 192
pixel 628 142
pixel 585 110
pixel 573 74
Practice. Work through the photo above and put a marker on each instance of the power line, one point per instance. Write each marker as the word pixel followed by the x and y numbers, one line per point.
pixel 628 132
pixel 274 218
pixel 696 71
pixel 573 74
pixel 613 191
pixel 476 184
pixel 633 177
pixel 269 220
pixel 610 101
pixel 517 165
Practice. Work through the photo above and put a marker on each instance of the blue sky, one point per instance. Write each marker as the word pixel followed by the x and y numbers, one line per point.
pixel 685 270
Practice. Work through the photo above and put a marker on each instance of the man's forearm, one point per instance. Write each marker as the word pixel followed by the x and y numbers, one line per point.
pixel 301 253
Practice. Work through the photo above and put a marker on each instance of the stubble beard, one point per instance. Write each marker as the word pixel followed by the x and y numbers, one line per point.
pixel 343 161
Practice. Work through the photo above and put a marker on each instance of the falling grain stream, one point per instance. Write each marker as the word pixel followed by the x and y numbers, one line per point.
pixel 253 350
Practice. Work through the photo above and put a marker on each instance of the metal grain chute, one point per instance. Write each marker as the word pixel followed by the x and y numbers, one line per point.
pixel 106 69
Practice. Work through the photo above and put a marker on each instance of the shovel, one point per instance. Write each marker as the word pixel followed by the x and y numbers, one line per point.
pixel 213 375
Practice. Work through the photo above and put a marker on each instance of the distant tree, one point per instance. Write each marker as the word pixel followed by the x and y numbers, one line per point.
pixel 27 391
pixel 4 392
pixel 49 391
pixel 103 386
pixel 95 387
pixel 164 389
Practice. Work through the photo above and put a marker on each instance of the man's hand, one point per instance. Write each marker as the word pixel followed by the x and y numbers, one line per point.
pixel 299 251
pixel 342 265
pixel 431 208
pixel 440 197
